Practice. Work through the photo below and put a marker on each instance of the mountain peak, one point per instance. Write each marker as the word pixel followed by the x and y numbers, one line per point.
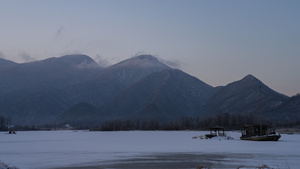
pixel 250 79
pixel 142 61
pixel 77 60
pixel 146 57
pixel 250 82
pixel 76 56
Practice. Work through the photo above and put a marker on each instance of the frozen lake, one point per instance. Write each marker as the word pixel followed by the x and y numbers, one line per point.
pixel 143 149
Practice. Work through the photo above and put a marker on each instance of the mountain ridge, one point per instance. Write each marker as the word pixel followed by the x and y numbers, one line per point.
pixel 243 96
pixel 138 88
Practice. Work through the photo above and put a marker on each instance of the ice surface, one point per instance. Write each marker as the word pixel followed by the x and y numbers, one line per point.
pixel 50 149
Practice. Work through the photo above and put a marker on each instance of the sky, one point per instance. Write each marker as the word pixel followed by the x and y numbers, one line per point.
pixel 216 41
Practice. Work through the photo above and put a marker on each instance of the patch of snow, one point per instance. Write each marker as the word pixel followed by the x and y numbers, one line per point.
pixel 48 149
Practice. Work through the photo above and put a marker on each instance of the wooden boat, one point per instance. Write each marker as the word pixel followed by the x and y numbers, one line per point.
pixel 259 132
pixel 216 131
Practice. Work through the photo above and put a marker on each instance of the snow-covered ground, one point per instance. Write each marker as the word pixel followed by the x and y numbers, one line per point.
pixel 140 149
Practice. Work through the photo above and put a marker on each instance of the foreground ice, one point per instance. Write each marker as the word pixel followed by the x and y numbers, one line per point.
pixel 143 149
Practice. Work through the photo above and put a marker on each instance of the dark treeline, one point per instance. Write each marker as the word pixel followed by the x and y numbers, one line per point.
pixel 226 120
pixel 230 122
pixel 5 123
pixel 27 128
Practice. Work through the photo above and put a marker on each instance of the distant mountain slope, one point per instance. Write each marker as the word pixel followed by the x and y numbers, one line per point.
pixel 287 112
pixel 165 95
pixel 131 70
pixel 243 96
pixel 79 114
pixel 103 86
pixel 22 81
pixel 6 63
pixel 38 109
pixel 5 67
pixel 114 80
pixel 74 89
pixel 52 72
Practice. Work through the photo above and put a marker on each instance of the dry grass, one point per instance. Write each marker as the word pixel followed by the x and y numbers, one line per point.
pixel 6 166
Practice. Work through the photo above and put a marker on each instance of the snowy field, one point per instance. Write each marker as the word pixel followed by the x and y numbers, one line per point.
pixel 143 149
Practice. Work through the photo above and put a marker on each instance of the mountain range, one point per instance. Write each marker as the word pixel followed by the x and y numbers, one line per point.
pixel 74 89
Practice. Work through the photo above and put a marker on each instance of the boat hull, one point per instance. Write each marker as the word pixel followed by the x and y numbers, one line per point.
pixel 274 137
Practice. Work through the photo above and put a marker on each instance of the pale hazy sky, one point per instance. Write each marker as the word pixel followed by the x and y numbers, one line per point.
pixel 218 41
